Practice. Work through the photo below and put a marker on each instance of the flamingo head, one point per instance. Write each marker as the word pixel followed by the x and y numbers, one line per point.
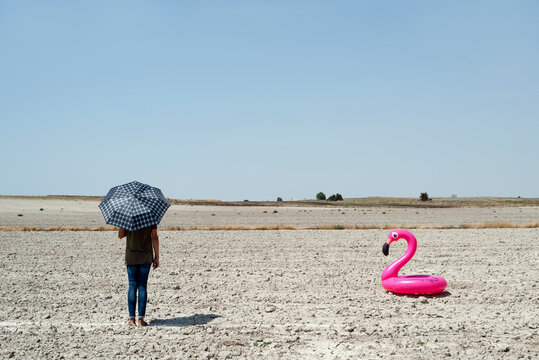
pixel 393 236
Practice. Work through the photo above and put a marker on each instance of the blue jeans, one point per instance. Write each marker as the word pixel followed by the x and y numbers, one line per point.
pixel 138 278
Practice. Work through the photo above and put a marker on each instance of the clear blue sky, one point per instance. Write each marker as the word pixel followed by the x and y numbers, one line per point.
pixel 238 100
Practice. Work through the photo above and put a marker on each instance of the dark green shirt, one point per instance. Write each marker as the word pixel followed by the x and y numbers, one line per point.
pixel 138 246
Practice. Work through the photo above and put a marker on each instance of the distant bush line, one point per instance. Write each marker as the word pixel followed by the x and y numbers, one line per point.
pixel 485 225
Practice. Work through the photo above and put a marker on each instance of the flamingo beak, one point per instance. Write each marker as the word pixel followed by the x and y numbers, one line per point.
pixel 385 249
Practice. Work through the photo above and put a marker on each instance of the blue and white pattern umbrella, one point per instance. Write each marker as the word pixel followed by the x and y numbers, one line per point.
pixel 134 206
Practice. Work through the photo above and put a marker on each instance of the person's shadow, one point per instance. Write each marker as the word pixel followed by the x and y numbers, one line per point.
pixel 197 319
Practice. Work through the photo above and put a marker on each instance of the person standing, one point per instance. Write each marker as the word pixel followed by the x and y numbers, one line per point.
pixel 141 251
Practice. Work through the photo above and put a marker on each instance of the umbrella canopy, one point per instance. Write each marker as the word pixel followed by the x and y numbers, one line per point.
pixel 134 206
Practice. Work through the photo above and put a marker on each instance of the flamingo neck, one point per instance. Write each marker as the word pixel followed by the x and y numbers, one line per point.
pixel 393 269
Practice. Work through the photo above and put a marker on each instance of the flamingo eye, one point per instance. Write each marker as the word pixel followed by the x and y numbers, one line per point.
pixel 395 235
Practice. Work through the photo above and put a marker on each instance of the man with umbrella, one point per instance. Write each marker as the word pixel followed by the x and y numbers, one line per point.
pixel 136 209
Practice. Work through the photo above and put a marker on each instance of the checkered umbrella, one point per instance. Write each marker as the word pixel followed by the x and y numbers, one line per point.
pixel 134 206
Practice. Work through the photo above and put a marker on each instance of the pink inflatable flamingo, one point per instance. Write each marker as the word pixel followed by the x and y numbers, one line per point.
pixel 408 284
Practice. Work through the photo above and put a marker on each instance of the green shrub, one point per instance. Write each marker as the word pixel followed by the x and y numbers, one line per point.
pixel 320 196
pixel 335 197
pixel 279 199
pixel 424 196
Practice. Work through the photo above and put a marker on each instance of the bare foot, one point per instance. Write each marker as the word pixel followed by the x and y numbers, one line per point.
pixel 131 321
pixel 141 322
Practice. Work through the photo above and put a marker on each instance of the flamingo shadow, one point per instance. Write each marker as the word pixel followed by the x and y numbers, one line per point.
pixel 197 319
pixel 441 295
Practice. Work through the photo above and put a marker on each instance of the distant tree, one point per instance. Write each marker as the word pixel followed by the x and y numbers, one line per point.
pixel 424 196
pixel 335 197
pixel 320 196
pixel 279 199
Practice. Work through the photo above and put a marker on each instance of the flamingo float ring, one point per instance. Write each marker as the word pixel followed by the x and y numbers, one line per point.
pixel 408 284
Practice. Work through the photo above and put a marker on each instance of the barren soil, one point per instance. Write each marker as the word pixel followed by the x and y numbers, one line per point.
pixel 269 294
pixel 27 212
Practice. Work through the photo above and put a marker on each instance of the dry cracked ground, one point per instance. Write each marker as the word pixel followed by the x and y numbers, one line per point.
pixel 271 294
